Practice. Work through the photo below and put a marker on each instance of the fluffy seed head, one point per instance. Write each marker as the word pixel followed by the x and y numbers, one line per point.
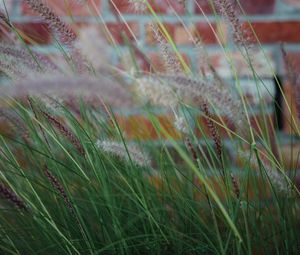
pixel 213 131
pixel 181 125
pixel 170 59
pixel 66 87
pixel 228 11
pixel 157 91
pixel 236 186
pixel 274 175
pixel 139 6
pixel 67 36
pixel 166 90
pixel 138 156
pixel 96 50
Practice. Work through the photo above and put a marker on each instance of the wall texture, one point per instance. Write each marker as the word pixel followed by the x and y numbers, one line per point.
pixel 274 21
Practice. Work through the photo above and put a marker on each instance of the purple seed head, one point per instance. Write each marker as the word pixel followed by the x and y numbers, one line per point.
pixel 59 188
pixel 65 131
pixel 65 33
pixel 10 196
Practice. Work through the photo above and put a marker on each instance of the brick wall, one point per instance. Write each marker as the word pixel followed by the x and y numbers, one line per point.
pixel 274 21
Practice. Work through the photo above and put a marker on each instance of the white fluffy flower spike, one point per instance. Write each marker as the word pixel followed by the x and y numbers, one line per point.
pixel 139 6
pixel 137 156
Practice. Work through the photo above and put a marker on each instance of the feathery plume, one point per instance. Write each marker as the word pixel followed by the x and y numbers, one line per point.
pixel 274 175
pixel 137 156
pixel 12 69
pixel 88 87
pixel 181 125
pixel 191 148
pixel 34 61
pixel 66 35
pixel 228 11
pixel 65 131
pixel 157 91
pixel 199 91
pixel 202 56
pixel 236 186
pixel 167 90
pixel 50 104
pixel 277 178
pixel 92 49
pixel 9 195
pixel 213 131
pixel 60 189
pixel 139 6
pixel 170 59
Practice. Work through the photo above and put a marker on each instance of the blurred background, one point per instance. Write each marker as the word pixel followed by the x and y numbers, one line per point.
pixel 275 22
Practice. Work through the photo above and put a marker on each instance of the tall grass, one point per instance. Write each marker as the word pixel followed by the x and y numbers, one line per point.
pixel 72 181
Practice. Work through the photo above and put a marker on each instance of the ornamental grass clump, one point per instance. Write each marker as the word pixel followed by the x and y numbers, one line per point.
pixel 114 160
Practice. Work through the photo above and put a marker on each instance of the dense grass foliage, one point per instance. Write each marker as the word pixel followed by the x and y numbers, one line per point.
pixel 73 182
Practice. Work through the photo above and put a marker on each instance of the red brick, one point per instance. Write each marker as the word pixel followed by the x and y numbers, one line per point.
pixel 257 123
pixel 201 30
pixel 290 152
pixel 118 29
pixel 294 58
pixel 157 62
pixel 181 36
pixel 259 62
pixel 203 6
pixel 141 128
pixel 149 32
pixel 151 62
pixel 258 6
pixel 161 7
pixel 277 31
pixel 249 6
pixel 203 129
pixel 34 33
pixel 67 8
pixel 206 33
pixel 291 121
